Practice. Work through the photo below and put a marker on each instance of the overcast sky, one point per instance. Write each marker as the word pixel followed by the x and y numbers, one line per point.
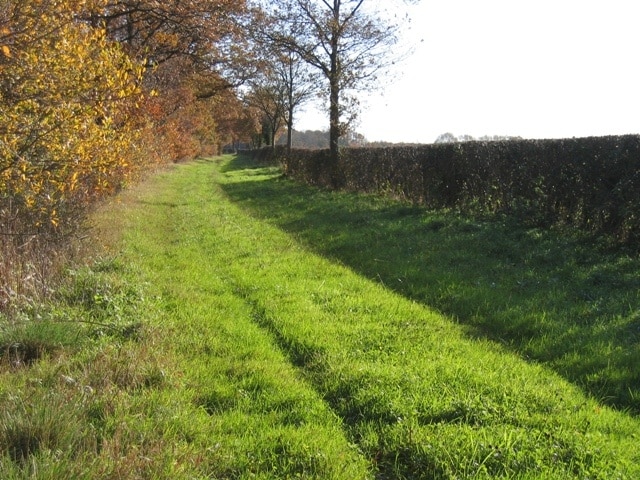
pixel 530 68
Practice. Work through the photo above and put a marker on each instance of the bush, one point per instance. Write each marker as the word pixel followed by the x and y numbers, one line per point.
pixel 589 183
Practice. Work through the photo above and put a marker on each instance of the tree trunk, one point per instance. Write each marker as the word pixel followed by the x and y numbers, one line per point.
pixel 290 131
pixel 334 121
pixel 291 108
pixel 334 86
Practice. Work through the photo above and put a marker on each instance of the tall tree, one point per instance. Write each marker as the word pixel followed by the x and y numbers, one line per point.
pixel 283 86
pixel 299 87
pixel 196 51
pixel 345 41
pixel 268 99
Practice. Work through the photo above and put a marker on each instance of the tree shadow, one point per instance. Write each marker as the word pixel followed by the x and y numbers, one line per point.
pixel 553 299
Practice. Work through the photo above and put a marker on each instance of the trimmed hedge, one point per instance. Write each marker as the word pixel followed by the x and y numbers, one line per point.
pixel 589 183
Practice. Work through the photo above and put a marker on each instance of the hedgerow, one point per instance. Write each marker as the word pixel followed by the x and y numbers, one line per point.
pixel 592 183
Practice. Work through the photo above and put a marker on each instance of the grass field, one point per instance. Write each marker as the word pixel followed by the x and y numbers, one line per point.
pixel 238 325
pixel 565 301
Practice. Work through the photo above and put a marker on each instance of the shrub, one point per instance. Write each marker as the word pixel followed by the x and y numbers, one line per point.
pixel 589 183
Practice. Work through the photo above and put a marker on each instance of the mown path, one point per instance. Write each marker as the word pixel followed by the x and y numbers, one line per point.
pixel 298 367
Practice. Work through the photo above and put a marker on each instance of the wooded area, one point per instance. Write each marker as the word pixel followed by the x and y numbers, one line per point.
pixel 95 92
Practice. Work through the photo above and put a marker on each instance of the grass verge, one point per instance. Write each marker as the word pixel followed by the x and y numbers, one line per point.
pixel 157 368
pixel 421 398
pixel 214 344
pixel 553 298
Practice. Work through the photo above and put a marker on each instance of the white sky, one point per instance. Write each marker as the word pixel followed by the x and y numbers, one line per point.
pixel 530 68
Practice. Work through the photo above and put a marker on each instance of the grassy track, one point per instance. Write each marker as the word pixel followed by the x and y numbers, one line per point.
pixel 265 354
pixel 563 301
pixel 254 415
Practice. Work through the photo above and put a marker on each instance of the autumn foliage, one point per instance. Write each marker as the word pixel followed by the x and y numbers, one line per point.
pixel 92 92
pixel 66 95
pixel 196 52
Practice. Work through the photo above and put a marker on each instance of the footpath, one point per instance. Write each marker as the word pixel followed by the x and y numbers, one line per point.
pixel 295 366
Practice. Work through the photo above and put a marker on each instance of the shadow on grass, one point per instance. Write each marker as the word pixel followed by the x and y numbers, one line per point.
pixel 552 299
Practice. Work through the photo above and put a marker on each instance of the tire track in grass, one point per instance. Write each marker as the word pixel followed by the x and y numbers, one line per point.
pixel 253 415
pixel 402 383
pixel 420 399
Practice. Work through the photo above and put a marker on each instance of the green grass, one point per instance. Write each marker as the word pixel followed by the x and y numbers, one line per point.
pixel 243 326
pixel 552 298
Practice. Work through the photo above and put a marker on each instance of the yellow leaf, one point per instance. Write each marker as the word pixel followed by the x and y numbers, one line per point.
pixel 6 51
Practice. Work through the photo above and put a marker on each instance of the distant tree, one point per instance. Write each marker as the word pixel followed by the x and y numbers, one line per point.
pixel 309 139
pixel 354 139
pixel 319 139
pixel 300 86
pixel 465 138
pixel 498 138
pixel 446 138
pixel 268 99
pixel 347 44
pixel 451 138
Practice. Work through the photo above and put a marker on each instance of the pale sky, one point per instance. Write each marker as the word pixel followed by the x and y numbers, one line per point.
pixel 530 68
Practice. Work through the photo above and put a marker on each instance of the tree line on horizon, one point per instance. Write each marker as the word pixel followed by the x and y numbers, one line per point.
pixel 319 139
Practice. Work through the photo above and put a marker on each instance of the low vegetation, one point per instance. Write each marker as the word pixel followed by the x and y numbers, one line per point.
pixel 238 325
pixel 556 296
pixel 590 184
